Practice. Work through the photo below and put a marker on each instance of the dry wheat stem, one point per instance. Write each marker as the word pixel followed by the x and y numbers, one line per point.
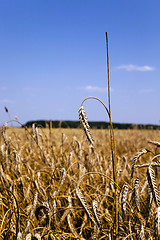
pixel 99 173
pixel 97 100
pixel 32 211
pixel 84 121
pixel 154 142
pixel 113 149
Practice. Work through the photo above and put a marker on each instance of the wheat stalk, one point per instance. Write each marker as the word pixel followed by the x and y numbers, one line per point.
pixel 61 181
pixel 96 233
pixel 51 237
pixel 69 218
pixel 154 143
pixel 71 226
pixel 85 220
pixel 4 127
pixel 83 119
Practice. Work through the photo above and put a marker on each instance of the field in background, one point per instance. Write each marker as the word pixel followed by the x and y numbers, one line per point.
pixel 55 186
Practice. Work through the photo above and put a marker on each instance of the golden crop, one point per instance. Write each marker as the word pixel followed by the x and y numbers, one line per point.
pixel 54 185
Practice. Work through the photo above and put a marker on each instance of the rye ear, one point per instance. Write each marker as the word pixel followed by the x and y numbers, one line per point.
pixel 85 205
pixel 153 185
pixel 124 199
pixel 96 213
pixel 136 157
pixel 83 119
pixel 136 194
pixel 157 223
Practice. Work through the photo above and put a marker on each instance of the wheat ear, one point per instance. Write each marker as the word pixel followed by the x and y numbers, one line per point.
pixel 54 197
pixel 157 224
pixel 97 214
pixel 19 236
pixel 141 234
pixel 83 119
pixel 28 236
pixel 95 233
pixel 136 194
pixel 153 185
pixel 35 236
pixel 124 199
pixel 62 180
pixel 149 201
pixel 69 217
pixel 51 237
pixel 85 220
pixel 135 159
pixel 85 205
pixel 32 211
pixel 4 127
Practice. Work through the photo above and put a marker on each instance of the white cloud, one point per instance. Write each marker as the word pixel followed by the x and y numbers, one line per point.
pixel 90 88
pixel 145 91
pixel 131 67
pixel 6 101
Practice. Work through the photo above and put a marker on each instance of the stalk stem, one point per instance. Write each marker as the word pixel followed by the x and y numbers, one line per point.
pixel 113 151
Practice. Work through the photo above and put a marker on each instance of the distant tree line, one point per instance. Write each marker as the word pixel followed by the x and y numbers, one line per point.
pixel 93 125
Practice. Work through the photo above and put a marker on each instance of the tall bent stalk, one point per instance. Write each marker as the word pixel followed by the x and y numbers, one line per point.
pixel 84 121
pixel 113 149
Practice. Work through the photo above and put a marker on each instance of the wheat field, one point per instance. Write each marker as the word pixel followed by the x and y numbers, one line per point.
pixel 55 185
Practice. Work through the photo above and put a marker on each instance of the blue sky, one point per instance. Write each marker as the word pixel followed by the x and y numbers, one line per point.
pixel 53 55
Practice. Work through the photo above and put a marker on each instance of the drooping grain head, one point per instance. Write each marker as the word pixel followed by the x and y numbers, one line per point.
pixel 83 119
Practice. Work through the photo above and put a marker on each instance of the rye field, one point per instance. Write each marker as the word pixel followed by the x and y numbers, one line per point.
pixel 55 185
